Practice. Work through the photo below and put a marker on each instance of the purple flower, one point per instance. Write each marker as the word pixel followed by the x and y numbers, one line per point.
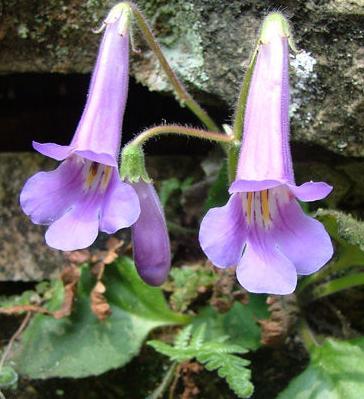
pixel 262 229
pixel 85 193
pixel 152 254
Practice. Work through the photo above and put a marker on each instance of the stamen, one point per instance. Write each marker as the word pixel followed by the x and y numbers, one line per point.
pixel 92 172
pixel 106 177
pixel 265 206
pixel 249 207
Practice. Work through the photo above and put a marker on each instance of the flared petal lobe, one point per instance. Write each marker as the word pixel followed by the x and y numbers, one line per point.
pixel 55 151
pixel 264 268
pixel 78 227
pixel 223 233
pixel 311 191
pixel 120 207
pixel 246 186
pixel 46 196
pixel 151 246
pixel 302 239
pixel 265 152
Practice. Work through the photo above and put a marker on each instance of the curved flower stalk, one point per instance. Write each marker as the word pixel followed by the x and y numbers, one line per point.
pixel 262 229
pixel 85 193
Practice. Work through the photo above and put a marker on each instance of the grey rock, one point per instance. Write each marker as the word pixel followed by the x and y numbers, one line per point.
pixel 208 42
pixel 23 253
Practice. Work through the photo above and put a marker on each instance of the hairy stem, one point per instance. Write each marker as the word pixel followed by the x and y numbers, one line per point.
pixel 308 338
pixel 242 99
pixel 178 86
pixel 233 154
pixel 183 131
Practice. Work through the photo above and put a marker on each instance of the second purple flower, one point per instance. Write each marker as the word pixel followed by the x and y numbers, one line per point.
pixel 262 229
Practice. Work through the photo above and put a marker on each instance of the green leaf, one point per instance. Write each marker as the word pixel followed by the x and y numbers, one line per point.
pixel 175 354
pixel 348 234
pixel 81 345
pixel 335 371
pixel 8 377
pixel 198 337
pixel 169 186
pixel 216 355
pixel 218 193
pixel 183 338
pixel 185 284
pixel 26 298
pixel 239 323
pixel 232 368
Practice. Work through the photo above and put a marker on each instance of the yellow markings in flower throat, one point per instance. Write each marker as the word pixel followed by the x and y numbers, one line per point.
pixel 92 173
pixel 265 206
pixel 98 176
pixel 249 206
pixel 106 177
pixel 256 206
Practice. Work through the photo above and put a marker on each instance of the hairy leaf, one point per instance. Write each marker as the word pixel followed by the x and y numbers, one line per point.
pixel 8 377
pixel 348 234
pixel 335 371
pixel 81 345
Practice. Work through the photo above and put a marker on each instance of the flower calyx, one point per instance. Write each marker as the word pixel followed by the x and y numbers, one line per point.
pixel 276 24
pixel 121 13
pixel 132 166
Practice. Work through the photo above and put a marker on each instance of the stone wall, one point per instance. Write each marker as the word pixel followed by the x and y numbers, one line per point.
pixel 209 42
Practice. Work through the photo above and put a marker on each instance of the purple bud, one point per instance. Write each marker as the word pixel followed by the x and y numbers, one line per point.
pixel 152 254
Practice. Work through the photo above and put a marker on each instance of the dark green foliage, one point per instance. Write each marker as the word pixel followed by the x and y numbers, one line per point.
pixel 170 186
pixel 336 371
pixel 218 193
pixel 239 323
pixel 81 345
pixel 8 377
pixel 216 355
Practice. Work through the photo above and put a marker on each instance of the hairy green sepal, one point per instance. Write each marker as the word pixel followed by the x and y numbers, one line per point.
pixel 133 164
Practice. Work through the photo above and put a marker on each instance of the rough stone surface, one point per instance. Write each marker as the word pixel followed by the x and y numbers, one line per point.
pixel 23 253
pixel 209 42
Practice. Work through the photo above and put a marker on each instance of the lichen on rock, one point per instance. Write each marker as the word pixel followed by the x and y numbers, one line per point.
pixel 208 42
